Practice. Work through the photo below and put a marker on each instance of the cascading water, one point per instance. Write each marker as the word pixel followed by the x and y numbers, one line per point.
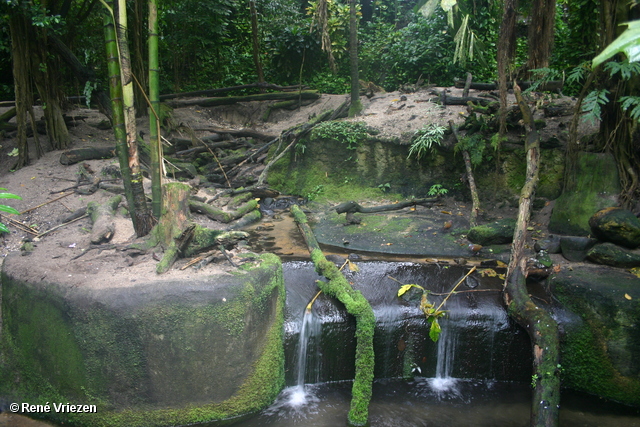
pixel 484 356
pixel 310 328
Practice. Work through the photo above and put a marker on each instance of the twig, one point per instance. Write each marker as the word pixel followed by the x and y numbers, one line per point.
pixel 19 225
pixel 46 203
pixel 455 287
pixel 62 225
pixel 226 255
pixel 468 291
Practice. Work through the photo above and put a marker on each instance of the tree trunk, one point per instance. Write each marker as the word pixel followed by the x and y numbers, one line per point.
pixel 143 219
pixel 255 40
pixel 356 105
pixel 83 74
pixel 506 51
pixel 46 80
pixel 21 55
pixel 541 327
pixel 132 183
pixel 475 208
pixel 541 27
pixel 154 123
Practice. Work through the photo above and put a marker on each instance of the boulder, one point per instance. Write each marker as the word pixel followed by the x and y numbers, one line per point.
pixel 595 185
pixel 600 343
pixel 616 225
pixel 550 245
pixel 615 256
pixel 574 248
pixel 495 233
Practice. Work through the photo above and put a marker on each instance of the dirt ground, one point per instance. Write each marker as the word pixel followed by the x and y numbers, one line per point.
pixel 44 205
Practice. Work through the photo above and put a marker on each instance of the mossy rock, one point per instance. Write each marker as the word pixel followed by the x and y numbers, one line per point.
pixel 615 256
pixel 596 187
pixel 495 233
pixel 616 225
pixel 601 339
pixel 148 353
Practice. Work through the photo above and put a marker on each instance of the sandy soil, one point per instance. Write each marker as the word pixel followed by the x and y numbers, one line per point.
pixel 60 253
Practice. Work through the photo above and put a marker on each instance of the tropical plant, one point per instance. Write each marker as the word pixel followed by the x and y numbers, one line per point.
pixel 426 140
pixel 437 190
pixel 429 309
pixel 7 209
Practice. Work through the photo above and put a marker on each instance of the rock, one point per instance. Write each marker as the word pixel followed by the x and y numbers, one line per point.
pixel 615 256
pixel 574 248
pixel 596 187
pixel 495 233
pixel 599 346
pixel 616 225
pixel 550 245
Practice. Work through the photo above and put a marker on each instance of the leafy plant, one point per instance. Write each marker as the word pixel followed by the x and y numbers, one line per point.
pixel 350 133
pixel 384 187
pixel 7 209
pixel 425 140
pixel 429 309
pixel 542 76
pixel 592 104
pixel 437 190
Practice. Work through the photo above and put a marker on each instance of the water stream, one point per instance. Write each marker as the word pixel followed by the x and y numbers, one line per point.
pixel 477 374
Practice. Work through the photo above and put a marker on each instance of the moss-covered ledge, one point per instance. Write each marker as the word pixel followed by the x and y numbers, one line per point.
pixel 158 353
pixel 601 340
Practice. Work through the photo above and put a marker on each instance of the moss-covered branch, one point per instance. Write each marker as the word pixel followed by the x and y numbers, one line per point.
pixel 542 328
pixel 356 305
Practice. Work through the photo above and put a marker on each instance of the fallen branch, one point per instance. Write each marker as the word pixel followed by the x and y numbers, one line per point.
pixel 228 100
pixel 62 225
pixel 356 305
pixel 350 208
pixel 210 92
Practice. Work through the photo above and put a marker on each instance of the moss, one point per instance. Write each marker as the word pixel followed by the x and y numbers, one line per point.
pixel 356 305
pixel 589 347
pixel 84 372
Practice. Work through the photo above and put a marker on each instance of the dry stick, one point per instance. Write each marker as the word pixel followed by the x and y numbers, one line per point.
pixel 473 219
pixel 45 203
pixel 196 260
pixel 213 154
pixel 19 225
pixel 468 291
pixel 455 287
pixel 61 225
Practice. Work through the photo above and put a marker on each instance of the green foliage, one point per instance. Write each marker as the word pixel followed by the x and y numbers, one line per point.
pixel 426 140
pixel 475 145
pixel 625 68
pixel 592 104
pixel 350 133
pixel 327 82
pixel 428 308
pixel 437 190
pixel 542 76
pixel 628 42
pixel 633 103
pixel 423 49
pixel 7 209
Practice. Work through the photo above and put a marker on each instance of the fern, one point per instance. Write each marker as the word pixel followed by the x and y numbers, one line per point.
pixel 425 140
pixel 541 76
pixel 578 74
pixel 625 68
pixel 633 103
pixel 592 104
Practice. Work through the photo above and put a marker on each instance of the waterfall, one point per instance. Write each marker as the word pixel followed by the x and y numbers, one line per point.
pixel 310 328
